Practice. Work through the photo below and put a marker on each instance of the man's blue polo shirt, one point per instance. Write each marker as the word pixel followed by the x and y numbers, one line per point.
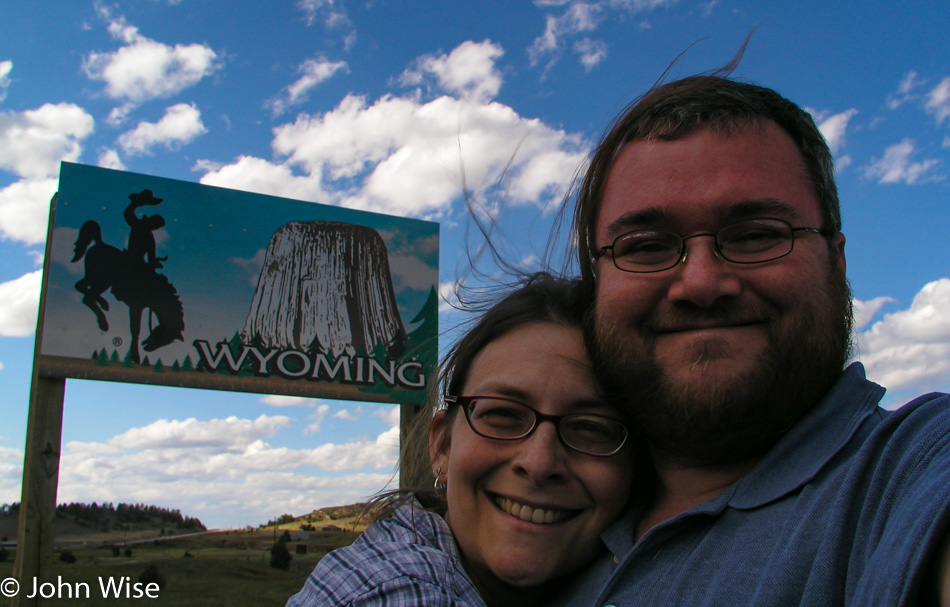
pixel 844 510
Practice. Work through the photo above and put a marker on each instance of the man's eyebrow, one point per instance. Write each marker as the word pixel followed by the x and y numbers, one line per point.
pixel 664 219
pixel 650 217
pixel 766 207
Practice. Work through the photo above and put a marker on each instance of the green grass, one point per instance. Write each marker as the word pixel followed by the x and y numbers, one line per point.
pixel 226 570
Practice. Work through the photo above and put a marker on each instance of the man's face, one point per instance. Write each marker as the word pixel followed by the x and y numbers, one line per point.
pixel 718 359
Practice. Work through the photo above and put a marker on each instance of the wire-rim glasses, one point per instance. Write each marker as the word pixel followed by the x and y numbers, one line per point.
pixel 746 242
pixel 506 419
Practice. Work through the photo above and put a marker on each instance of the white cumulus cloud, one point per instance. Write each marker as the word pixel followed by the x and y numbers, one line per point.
pixel 865 311
pixel 11 473
pixel 19 302
pixel 347 415
pixel 405 157
pixel 222 470
pixel 278 400
pixel 313 72
pixel 264 177
pixel 579 17
pixel 938 100
pixel 390 415
pixel 448 296
pixel 143 69
pixel 5 68
pixel 24 209
pixel 33 142
pixel 316 418
pixel 833 127
pixel 905 90
pixel 468 71
pixel 897 166
pixel 591 52
pixel 109 159
pixel 180 125
pixel 231 433
pixel 330 12
pixel 910 349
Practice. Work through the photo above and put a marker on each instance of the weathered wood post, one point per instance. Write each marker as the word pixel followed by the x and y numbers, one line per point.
pixel 44 430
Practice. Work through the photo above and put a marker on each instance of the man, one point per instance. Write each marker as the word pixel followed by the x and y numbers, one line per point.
pixel 710 241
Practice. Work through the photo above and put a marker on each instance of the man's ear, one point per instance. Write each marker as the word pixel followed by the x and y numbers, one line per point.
pixel 837 242
pixel 439 439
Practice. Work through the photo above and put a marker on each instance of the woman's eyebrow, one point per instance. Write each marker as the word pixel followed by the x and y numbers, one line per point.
pixel 593 405
pixel 498 389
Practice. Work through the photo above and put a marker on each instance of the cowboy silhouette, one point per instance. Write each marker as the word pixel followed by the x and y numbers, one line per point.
pixel 141 240
pixel 132 276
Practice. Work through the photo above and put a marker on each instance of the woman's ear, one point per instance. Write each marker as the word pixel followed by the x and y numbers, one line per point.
pixel 439 439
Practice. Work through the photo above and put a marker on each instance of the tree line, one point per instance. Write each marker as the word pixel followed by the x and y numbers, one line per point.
pixel 121 514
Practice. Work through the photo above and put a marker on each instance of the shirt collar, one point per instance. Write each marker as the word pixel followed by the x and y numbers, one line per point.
pixel 811 443
pixel 793 462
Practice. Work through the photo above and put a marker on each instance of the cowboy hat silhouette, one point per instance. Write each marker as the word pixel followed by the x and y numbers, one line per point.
pixel 144 198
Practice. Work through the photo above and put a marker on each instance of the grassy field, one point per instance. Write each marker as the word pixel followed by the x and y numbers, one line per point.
pixel 226 568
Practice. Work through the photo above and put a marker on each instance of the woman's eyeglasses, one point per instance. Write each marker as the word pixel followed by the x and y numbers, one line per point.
pixel 500 418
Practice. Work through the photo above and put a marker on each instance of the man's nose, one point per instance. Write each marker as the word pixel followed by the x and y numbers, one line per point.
pixel 703 276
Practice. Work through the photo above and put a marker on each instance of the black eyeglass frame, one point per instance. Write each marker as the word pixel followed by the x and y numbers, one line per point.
pixel 465 401
pixel 681 257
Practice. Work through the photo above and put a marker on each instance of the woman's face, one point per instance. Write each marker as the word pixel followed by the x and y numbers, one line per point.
pixel 546 367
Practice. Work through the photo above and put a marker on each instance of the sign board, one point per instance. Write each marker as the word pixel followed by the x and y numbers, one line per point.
pixel 167 282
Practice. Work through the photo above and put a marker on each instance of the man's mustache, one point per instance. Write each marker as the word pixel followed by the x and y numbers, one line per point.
pixel 689 317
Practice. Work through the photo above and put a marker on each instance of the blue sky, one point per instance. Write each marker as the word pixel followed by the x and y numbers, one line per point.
pixel 396 107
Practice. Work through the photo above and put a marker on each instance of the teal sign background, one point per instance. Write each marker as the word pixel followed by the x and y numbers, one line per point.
pixel 215 241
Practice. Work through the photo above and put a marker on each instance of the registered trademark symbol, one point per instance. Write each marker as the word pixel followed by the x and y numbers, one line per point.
pixel 116 341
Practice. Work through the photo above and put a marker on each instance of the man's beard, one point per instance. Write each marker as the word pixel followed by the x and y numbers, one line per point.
pixel 714 423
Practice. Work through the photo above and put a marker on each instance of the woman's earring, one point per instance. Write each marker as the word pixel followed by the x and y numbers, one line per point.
pixel 438 485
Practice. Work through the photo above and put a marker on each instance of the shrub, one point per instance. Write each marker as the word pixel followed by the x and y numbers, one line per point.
pixel 280 557
pixel 128 552
pixel 151 575
pixel 67 556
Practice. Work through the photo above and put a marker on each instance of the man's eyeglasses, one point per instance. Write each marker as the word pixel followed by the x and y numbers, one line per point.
pixel 505 419
pixel 750 241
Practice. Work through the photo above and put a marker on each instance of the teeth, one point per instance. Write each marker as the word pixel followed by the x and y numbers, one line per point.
pixel 538 516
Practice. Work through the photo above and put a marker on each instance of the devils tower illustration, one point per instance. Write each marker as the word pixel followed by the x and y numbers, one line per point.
pixel 325 287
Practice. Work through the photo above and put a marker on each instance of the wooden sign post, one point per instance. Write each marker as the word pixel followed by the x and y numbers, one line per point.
pixel 44 430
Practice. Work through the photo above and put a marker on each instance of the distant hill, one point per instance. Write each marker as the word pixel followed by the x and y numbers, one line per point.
pixel 335 513
pixel 81 519
pixel 350 517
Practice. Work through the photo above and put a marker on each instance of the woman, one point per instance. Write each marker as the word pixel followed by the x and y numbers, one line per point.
pixel 519 502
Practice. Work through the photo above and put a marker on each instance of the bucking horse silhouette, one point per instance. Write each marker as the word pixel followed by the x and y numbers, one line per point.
pixel 135 282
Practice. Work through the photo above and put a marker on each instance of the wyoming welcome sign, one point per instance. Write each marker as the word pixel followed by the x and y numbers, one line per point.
pixel 167 282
